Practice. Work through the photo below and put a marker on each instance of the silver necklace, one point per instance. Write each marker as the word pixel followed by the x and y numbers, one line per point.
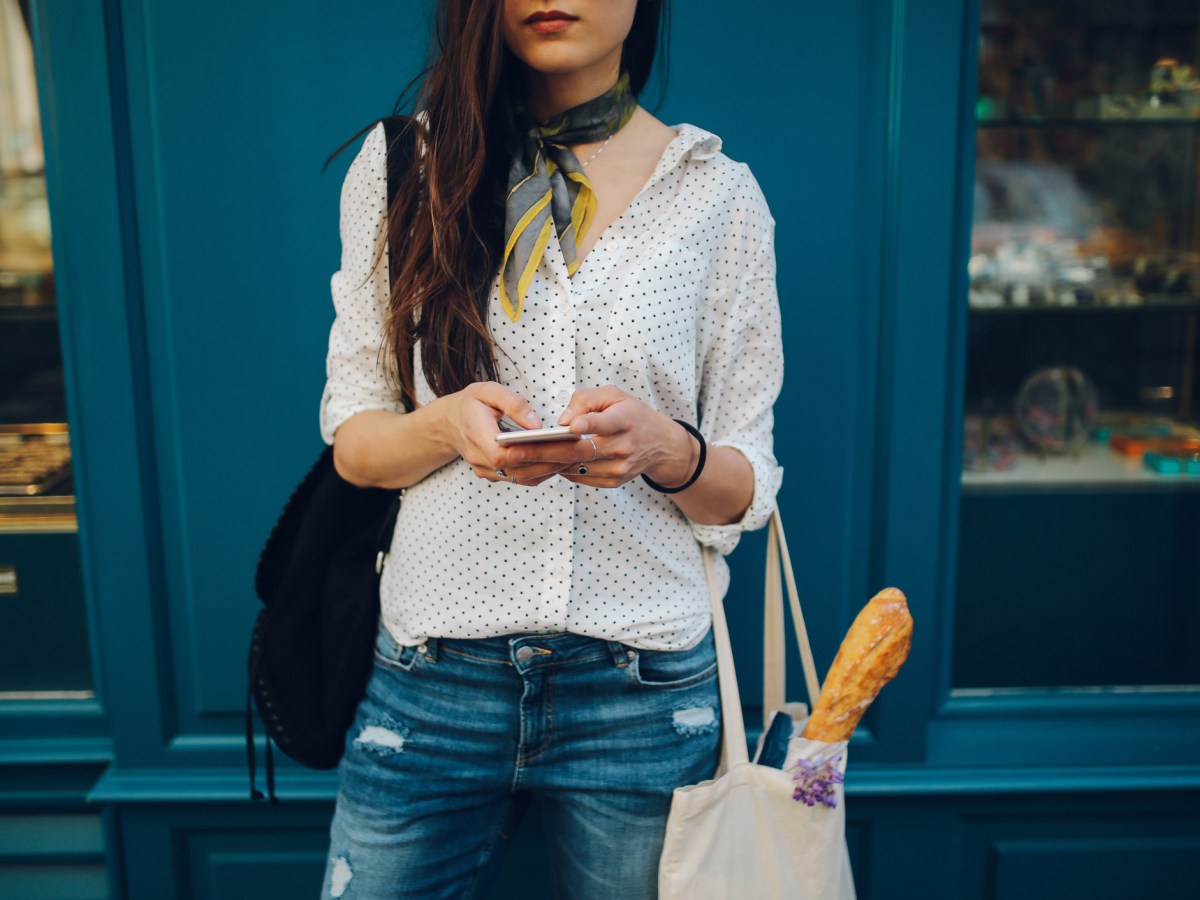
pixel 599 151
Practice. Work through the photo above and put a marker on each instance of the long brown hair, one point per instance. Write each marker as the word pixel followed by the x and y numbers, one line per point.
pixel 446 224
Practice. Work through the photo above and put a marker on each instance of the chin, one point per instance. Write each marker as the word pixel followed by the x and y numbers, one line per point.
pixel 558 60
pixel 564 61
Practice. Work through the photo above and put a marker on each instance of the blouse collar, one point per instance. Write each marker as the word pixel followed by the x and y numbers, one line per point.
pixel 690 143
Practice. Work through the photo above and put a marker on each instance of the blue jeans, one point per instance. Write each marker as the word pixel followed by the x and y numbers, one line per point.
pixel 453 736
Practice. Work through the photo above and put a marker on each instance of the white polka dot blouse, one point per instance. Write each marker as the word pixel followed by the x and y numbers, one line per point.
pixel 676 305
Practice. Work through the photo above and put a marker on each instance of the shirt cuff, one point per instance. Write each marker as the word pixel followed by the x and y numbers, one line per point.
pixel 768 476
pixel 336 410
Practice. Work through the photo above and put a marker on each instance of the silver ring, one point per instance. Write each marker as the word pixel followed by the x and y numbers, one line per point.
pixel 501 473
pixel 595 450
pixel 513 479
pixel 583 470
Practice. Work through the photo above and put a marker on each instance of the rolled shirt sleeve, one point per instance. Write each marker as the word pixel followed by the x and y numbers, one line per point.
pixel 355 378
pixel 743 368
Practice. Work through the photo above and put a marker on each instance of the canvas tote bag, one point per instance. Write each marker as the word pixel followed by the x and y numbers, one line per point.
pixel 742 834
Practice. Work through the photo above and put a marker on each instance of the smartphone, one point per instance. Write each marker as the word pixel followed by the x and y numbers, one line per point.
pixel 536 435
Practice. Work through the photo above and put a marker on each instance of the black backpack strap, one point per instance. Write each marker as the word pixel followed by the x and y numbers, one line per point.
pixel 255 793
pixel 383 542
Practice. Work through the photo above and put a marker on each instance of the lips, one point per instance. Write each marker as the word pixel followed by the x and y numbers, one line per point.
pixel 549 15
pixel 550 21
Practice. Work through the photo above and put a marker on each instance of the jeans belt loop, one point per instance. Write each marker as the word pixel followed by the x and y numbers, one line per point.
pixel 621 654
pixel 431 649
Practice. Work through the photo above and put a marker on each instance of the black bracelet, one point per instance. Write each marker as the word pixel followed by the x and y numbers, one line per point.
pixel 699 465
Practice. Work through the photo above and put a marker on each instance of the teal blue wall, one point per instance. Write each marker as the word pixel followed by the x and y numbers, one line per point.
pixel 195 234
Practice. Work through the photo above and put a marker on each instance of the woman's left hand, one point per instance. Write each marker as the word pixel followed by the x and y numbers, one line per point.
pixel 630 439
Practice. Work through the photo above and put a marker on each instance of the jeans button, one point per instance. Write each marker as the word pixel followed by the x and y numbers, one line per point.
pixel 421 648
pixel 524 654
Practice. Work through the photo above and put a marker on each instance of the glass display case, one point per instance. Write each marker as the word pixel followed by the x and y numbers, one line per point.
pixel 43 628
pixel 1079 542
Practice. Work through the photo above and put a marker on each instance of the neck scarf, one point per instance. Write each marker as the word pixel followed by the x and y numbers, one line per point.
pixel 548 191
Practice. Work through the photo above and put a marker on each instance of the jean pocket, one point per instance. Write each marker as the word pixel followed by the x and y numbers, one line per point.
pixel 389 653
pixel 675 668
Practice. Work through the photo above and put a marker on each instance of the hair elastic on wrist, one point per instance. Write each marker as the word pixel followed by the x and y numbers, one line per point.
pixel 699 465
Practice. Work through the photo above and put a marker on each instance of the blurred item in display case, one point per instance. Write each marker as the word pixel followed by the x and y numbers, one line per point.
pixel 1043 237
pixel 1070 60
pixel 990 443
pixel 1057 408
pixel 34 459
pixel 1186 464
pixel 1173 92
pixel 1054 272
pixel 1137 446
pixel 995 443
pixel 1132 424
pixel 1163 446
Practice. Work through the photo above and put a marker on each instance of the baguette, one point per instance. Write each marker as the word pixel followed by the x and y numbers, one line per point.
pixel 870 656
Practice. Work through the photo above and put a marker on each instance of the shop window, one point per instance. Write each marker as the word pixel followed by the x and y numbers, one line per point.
pixel 44 650
pixel 1079 544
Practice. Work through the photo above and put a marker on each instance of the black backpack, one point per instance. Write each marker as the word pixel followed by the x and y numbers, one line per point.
pixel 318 579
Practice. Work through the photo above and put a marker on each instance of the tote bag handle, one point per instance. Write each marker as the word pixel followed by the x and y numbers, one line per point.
pixel 774 660
pixel 734 750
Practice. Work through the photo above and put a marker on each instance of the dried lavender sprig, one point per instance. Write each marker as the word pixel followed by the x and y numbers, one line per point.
pixel 817 780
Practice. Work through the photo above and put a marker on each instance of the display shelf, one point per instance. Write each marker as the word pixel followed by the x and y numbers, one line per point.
pixel 1095 466
pixel 42 313
pixel 1093 122
pixel 38 514
pixel 1150 303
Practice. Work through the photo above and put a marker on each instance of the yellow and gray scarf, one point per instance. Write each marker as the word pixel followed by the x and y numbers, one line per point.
pixel 548 191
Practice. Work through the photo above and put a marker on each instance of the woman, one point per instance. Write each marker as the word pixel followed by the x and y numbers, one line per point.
pixel 567 259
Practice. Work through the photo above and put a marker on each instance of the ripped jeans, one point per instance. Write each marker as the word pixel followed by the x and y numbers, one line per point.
pixel 453 736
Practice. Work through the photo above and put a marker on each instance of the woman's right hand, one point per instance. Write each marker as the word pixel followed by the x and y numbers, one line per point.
pixel 382 448
pixel 471 420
